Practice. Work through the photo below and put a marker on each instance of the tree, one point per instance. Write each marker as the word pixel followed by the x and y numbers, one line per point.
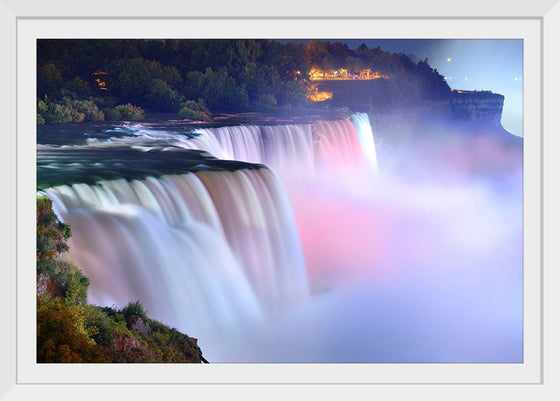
pixel 49 80
pixel 216 88
pixel 162 97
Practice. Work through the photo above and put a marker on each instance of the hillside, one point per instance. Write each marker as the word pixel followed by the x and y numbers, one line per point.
pixel 70 330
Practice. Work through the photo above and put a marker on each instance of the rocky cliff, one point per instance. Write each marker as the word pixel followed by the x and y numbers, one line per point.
pixel 477 106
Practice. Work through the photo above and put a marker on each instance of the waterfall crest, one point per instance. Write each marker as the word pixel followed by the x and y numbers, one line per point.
pixel 298 149
pixel 209 247
pixel 201 248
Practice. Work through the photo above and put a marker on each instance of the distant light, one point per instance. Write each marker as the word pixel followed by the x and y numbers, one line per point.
pixel 466 78
pixel 448 59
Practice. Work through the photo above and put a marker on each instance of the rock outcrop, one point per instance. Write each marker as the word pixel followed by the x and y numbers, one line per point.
pixel 477 106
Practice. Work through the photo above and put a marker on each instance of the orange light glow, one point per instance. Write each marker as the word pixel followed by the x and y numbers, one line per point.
pixel 344 74
pixel 318 96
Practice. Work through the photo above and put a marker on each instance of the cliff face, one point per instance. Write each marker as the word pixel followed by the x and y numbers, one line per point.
pixel 478 107
pixel 388 96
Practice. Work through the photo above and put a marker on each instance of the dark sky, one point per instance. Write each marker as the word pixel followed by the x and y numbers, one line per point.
pixel 486 64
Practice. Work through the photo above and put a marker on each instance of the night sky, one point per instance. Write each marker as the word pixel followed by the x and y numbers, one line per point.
pixel 484 64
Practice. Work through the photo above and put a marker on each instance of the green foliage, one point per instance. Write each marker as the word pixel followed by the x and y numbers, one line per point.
pixel 293 94
pixel 229 75
pixel 42 109
pixel 87 107
pixel 78 87
pixel 255 79
pixel 100 326
pixel 69 330
pixel 195 110
pixel 217 88
pixel 133 311
pixel 74 285
pixel 63 113
pixel 61 336
pixel 68 110
pixel 124 112
pixel 162 97
pixel 51 233
pixel 147 82
pixel 60 278
pixel 49 79
pixel 266 99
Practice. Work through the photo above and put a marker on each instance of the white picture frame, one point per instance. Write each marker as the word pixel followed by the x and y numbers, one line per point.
pixel 541 387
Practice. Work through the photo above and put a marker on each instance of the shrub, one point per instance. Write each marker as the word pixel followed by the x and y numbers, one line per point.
pixel 68 110
pixel 133 311
pixel 49 79
pixel 61 336
pixel 63 113
pixel 77 86
pixel 124 112
pixel 52 234
pixel 62 279
pixel 87 107
pixel 162 97
pixel 42 109
pixel 217 88
pixel 266 99
pixel 99 326
pixel 195 110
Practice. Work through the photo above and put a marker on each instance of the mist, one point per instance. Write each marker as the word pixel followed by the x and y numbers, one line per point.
pixel 421 261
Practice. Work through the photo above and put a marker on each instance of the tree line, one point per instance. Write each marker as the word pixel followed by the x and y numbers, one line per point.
pixel 211 74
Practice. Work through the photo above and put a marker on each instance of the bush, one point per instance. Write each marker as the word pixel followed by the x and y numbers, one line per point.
pixel 63 113
pixel 195 110
pixel 217 88
pixel 61 336
pixel 87 107
pixel 42 109
pixel 68 110
pixel 133 311
pixel 78 87
pixel 49 79
pixel 266 99
pixel 62 279
pixel 162 97
pixel 52 234
pixel 124 112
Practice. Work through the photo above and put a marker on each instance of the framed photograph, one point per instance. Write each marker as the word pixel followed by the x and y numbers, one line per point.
pixel 324 199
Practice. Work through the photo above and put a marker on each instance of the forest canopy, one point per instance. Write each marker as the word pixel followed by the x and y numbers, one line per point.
pixel 85 80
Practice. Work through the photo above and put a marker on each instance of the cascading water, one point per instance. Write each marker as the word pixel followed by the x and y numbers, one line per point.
pixel 286 148
pixel 295 150
pixel 198 250
pixel 365 135
pixel 205 249
pixel 393 269
pixel 245 214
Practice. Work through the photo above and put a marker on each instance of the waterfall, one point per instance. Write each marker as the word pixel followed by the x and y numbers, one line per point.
pixel 197 249
pixel 365 135
pixel 205 248
pixel 298 149
pixel 288 149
